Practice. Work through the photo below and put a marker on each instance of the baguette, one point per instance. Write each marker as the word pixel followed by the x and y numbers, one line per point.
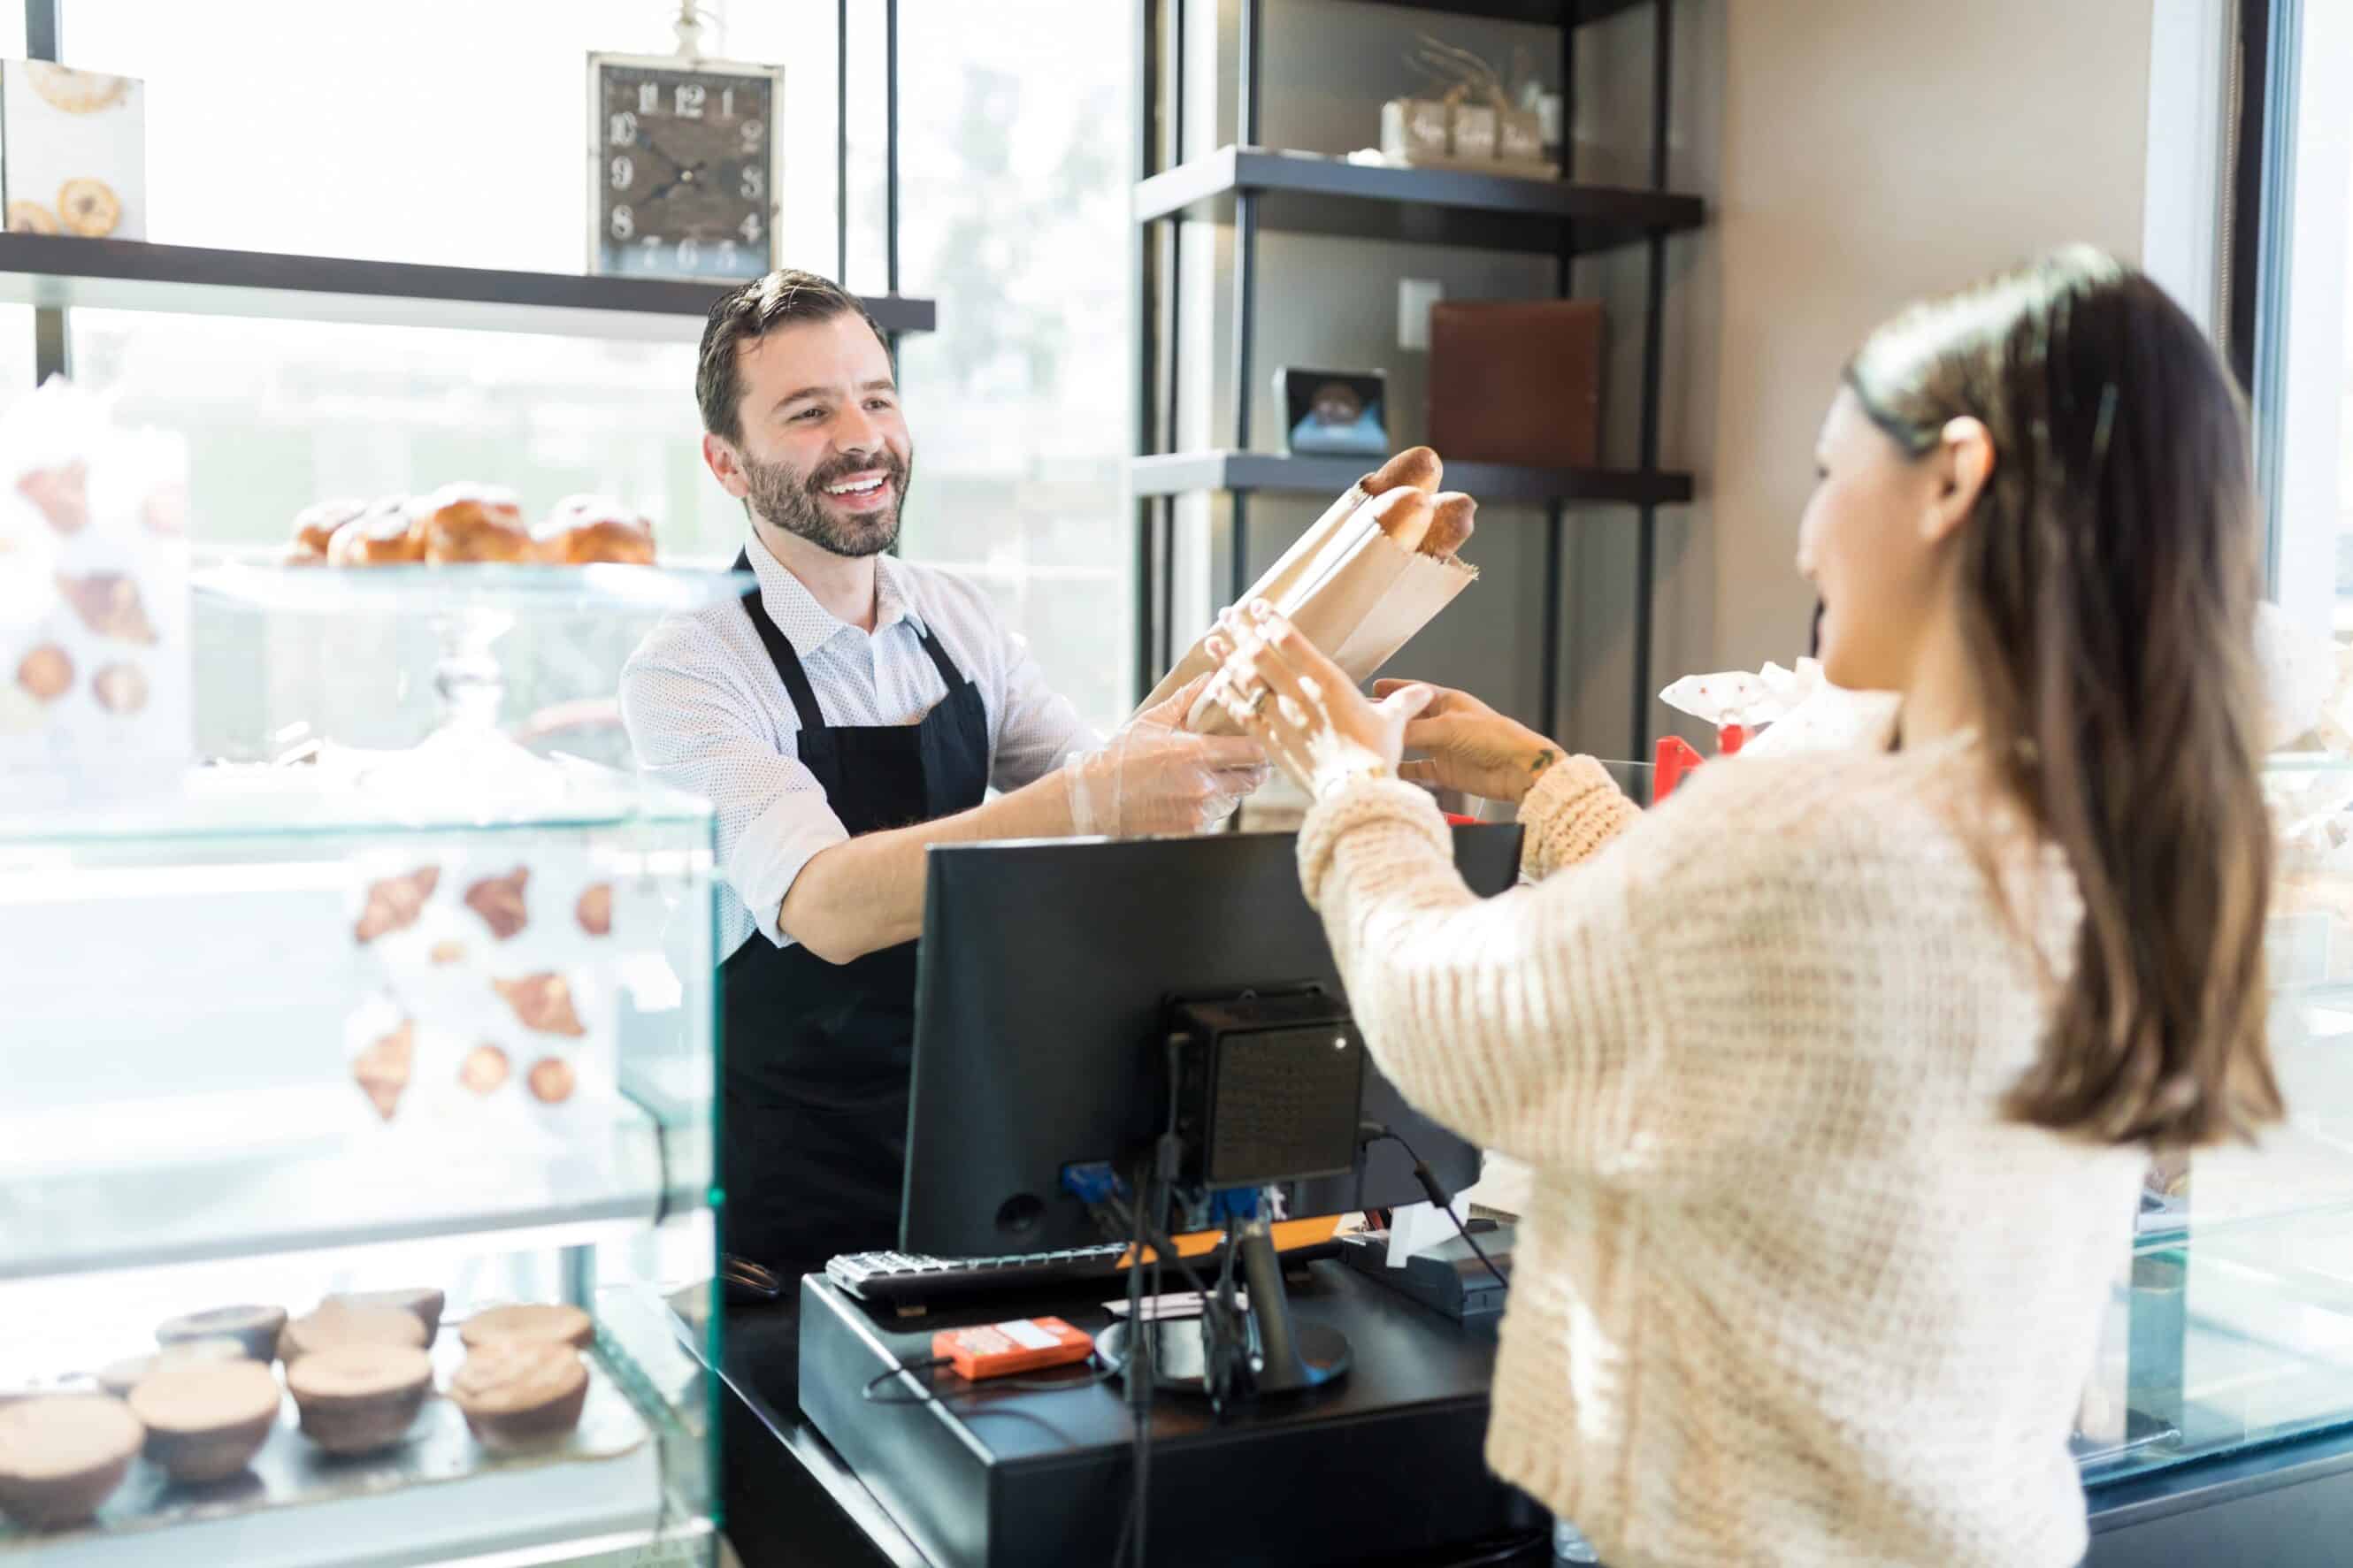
pixel 1417 466
pixel 1404 515
pixel 1450 524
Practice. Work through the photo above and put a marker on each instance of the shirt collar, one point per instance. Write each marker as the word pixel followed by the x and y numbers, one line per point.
pixel 809 626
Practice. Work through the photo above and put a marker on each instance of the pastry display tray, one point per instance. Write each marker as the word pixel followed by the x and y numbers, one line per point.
pixel 438 1497
pixel 261 581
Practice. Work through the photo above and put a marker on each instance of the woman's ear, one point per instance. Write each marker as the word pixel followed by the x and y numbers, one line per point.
pixel 1964 460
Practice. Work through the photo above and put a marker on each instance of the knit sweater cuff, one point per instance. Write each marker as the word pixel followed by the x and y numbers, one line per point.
pixel 1572 812
pixel 1364 806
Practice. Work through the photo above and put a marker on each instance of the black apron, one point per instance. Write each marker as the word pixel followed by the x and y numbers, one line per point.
pixel 817 1057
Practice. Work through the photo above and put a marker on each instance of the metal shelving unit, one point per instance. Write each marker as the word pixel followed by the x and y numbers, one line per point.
pixel 1254 188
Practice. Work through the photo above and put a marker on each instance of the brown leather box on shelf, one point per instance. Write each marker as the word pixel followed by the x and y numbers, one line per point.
pixel 1516 381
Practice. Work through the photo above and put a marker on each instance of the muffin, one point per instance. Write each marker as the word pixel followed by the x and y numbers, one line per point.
pixel 464 522
pixel 118 1378
pixel 254 1328
pixel 356 1398
pixel 583 529
pixel 385 534
pixel 546 1325
pixel 334 1326
pixel 60 1458
pixel 206 1420
pixel 516 1393
pixel 424 1300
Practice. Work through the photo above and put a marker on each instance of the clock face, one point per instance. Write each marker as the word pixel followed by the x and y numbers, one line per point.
pixel 684 172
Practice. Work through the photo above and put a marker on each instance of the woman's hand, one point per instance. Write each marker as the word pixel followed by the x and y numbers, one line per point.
pixel 1473 749
pixel 1319 729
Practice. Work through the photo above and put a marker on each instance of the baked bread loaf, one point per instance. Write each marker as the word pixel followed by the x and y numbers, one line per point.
pixel 1450 515
pixel 1417 468
pixel 385 534
pixel 464 522
pixel 358 1398
pixel 583 529
pixel 63 1455
pixel 206 1421
pixel 516 1393
pixel 315 524
pixel 1404 514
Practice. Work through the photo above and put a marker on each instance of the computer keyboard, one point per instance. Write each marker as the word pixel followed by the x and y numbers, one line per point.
pixel 904 1280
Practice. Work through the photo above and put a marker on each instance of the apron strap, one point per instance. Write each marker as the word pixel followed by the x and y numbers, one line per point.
pixel 781 655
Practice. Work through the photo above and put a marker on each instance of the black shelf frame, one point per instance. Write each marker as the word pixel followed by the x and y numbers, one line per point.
pixel 56 273
pixel 59 271
pixel 1252 188
pixel 1537 13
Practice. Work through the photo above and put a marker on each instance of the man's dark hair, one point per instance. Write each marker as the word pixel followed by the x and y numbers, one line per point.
pixel 784 297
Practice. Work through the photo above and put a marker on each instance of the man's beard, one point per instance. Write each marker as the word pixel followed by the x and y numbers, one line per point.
pixel 780 495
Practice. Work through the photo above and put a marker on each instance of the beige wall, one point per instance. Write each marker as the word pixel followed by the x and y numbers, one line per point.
pixel 1874 151
pixel 1853 155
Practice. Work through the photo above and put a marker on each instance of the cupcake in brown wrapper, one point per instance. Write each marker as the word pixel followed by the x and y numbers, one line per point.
pixel 62 1456
pixel 424 1302
pixel 255 1329
pixel 206 1421
pixel 358 1398
pixel 334 1325
pixel 561 1325
pixel 518 1393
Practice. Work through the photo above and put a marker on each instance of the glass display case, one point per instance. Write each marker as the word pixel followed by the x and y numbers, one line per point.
pixel 2232 1324
pixel 340 1039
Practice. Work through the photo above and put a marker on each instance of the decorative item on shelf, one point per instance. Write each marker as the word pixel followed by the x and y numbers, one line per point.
pixel 73 151
pixel 1471 123
pixel 94 628
pixel 684 162
pixel 1516 381
pixel 1334 413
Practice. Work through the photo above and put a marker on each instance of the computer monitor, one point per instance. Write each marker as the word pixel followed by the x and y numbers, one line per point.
pixel 1046 976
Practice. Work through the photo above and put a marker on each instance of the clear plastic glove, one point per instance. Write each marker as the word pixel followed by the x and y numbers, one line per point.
pixel 1156 777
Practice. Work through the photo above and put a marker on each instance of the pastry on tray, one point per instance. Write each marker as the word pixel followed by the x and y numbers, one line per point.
pixel 463 522
pixel 543 1003
pixel 393 903
pixel 334 1325
pixel 499 901
pixel 206 1420
pixel 255 1329
pixel 585 529
pixel 118 1378
pixel 516 1393
pixel 356 1398
pixel 63 1455
pixel 425 1302
pixel 385 534
pixel 563 1325
pixel 383 1068
pixel 315 524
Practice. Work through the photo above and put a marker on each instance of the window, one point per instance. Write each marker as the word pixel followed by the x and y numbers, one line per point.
pixel 451 133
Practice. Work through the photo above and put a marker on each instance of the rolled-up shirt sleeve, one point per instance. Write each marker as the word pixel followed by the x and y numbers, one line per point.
pixel 1040 728
pixel 694 728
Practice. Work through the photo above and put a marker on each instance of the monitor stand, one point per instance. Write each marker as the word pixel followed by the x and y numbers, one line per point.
pixel 1285 1355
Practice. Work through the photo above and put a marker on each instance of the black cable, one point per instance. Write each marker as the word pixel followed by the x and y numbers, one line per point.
pixel 880 1378
pixel 1436 1192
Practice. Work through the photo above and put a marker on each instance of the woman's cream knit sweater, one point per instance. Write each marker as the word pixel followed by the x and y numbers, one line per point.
pixel 1791 1290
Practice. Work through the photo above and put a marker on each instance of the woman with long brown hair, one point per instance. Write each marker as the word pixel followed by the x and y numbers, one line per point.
pixel 1838 1073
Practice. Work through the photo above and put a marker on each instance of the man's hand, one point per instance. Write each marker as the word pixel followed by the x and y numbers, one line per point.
pixel 1156 777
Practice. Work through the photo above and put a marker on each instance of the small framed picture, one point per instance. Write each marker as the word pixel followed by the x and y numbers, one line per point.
pixel 1334 413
